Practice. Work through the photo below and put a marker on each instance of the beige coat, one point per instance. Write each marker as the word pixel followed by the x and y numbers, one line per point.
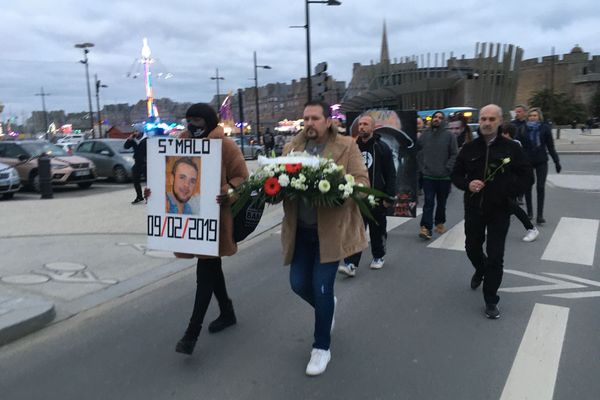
pixel 233 172
pixel 341 229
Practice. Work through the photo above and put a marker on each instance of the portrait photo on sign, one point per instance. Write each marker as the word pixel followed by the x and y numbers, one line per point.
pixel 182 184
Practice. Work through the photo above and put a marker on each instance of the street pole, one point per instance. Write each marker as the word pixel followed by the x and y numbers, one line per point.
pixel 307 27
pixel 43 95
pixel 241 105
pixel 98 86
pixel 85 47
pixel 256 96
pixel 308 69
pixel 218 78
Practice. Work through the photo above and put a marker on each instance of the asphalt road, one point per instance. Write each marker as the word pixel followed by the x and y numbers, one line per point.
pixel 413 330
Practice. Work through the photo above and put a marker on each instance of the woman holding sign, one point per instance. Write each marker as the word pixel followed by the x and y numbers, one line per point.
pixel 203 124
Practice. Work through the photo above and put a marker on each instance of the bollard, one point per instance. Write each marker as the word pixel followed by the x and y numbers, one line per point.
pixel 45 177
pixel 558 134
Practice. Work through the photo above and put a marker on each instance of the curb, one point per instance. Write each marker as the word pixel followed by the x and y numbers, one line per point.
pixel 579 152
pixel 21 316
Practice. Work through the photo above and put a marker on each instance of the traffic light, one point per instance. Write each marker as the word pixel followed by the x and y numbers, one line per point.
pixel 319 81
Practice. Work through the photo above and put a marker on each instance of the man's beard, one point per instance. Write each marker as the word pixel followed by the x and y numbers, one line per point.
pixel 179 199
pixel 312 134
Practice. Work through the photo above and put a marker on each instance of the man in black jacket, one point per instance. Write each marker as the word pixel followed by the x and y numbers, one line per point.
pixel 382 175
pixel 491 170
pixel 138 142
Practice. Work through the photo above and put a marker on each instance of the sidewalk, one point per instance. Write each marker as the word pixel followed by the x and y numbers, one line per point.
pixel 572 141
pixel 72 253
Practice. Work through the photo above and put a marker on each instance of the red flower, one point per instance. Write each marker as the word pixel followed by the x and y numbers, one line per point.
pixel 272 186
pixel 293 168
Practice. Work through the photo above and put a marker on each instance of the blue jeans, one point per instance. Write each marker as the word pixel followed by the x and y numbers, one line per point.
pixel 435 191
pixel 313 281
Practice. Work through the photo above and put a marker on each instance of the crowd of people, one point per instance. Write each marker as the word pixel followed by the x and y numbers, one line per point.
pixel 493 166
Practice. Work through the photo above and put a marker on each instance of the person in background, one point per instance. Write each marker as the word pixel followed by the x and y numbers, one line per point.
pixel 459 128
pixel 137 141
pixel 436 156
pixel 509 131
pixel 382 175
pixel 537 142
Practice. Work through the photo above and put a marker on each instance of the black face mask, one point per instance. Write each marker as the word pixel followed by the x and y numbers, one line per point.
pixel 195 131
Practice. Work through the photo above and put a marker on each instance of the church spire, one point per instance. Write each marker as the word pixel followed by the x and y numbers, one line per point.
pixel 385 55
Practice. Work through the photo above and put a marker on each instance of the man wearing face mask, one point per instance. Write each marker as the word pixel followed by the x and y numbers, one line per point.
pixel 203 124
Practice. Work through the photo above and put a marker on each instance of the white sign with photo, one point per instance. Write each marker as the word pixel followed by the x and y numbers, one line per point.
pixel 184 176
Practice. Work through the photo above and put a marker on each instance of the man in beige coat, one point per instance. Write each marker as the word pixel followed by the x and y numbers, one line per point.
pixel 316 239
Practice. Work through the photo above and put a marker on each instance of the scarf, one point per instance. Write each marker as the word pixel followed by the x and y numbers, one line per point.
pixel 533 130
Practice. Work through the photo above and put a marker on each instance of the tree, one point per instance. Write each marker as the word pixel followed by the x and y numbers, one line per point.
pixel 595 104
pixel 559 108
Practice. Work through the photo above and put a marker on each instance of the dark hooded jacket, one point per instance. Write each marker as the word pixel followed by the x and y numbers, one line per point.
pixel 437 152
pixel 380 163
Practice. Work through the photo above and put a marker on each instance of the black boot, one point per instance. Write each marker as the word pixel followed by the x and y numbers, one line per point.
pixel 226 318
pixel 187 343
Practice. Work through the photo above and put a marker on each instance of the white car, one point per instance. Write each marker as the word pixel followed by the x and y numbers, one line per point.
pixel 9 181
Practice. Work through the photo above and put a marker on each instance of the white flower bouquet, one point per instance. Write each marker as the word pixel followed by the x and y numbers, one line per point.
pixel 317 181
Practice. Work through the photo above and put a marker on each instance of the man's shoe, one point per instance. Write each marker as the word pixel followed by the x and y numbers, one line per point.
pixel 476 281
pixel 319 359
pixel 424 233
pixel 492 311
pixel 137 200
pixel 531 235
pixel 440 228
pixel 348 269
pixel 540 220
pixel 225 319
pixel 377 263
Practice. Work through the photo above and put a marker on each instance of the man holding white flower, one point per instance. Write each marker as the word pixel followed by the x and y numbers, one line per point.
pixel 379 161
pixel 315 239
pixel 491 170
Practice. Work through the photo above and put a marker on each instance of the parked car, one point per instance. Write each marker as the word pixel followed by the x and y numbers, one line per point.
pixel 112 160
pixel 251 147
pixel 64 168
pixel 9 181
pixel 69 147
pixel 71 138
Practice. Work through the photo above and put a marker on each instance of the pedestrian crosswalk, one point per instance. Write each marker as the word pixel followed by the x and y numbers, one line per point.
pixel 573 241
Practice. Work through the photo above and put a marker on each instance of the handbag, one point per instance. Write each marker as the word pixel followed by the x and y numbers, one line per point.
pixel 247 219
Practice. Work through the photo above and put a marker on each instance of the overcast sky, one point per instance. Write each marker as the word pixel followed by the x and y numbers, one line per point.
pixel 191 39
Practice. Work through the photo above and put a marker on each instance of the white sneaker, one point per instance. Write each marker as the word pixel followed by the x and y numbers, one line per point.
pixel 333 318
pixel 531 235
pixel 348 269
pixel 318 362
pixel 377 263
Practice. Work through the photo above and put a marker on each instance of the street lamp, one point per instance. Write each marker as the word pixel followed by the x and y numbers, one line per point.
pixel 98 86
pixel 85 47
pixel 256 95
pixel 307 27
pixel 218 78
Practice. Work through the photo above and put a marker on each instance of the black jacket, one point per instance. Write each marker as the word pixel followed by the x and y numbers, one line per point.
pixel 537 154
pixel 139 150
pixel 380 163
pixel 511 180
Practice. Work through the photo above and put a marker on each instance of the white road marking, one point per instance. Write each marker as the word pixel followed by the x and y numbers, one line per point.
pixel 576 295
pixel 534 370
pixel 453 239
pixel 557 283
pixel 573 241
pixel 575 279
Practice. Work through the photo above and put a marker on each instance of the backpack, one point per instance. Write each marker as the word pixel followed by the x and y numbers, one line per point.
pixel 247 219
